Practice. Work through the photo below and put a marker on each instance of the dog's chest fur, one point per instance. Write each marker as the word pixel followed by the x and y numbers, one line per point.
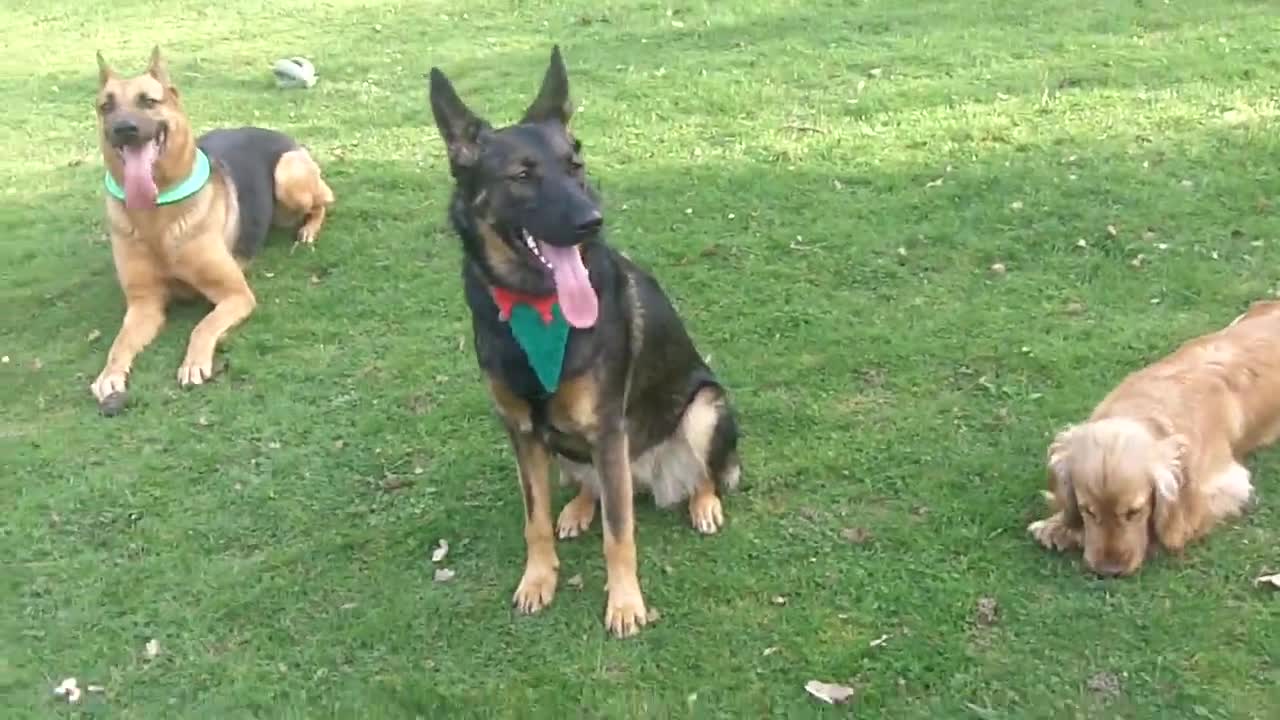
pixel 596 359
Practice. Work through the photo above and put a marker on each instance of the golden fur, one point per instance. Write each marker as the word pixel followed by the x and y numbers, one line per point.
pixel 1160 459
pixel 184 249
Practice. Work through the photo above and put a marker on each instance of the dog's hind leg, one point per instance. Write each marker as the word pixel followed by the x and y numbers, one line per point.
pixel 577 515
pixel 709 428
pixel 1200 507
pixel 302 193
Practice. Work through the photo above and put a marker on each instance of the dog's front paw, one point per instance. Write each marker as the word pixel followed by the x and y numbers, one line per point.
pixel 625 613
pixel 307 236
pixel 706 513
pixel 195 371
pixel 536 589
pixel 109 391
pixel 575 519
pixel 109 383
pixel 1053 534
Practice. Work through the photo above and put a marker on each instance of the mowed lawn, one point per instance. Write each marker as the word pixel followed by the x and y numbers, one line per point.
pixel 915 240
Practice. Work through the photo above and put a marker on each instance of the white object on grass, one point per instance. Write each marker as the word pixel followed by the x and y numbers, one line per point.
pixel 68 690
pixel 294 72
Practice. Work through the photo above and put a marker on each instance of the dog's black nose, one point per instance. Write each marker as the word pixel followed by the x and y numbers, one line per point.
pixel 124 130
pixel 591 223
pixel 1109 569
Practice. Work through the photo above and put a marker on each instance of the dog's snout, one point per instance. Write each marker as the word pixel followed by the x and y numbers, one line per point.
pixel 124 130
pixel 1112 567
pixel 590 222
pixel 1109 570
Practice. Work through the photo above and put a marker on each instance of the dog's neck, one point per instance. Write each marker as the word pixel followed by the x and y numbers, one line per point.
pixel 177 163
pixel 170 170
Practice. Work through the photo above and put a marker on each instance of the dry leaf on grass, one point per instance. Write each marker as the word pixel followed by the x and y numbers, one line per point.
pixel 829 693
pixel 856 535
pixel 1104 683
pixel 988 612
pixel 94 334
pixel 442 549
pixel 1272 580
pixel 397 483
pixel 152 648
pixel 575 582
pixel 779 600
pixel 878 641
pixel 444 575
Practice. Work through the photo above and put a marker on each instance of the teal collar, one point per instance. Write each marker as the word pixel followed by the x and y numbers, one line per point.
pixel 198 178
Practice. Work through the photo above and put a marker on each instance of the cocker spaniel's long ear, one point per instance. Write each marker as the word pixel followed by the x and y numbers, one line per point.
pixel 1064 493
pixel 1168 477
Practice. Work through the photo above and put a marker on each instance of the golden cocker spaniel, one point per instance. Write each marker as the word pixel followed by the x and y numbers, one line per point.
pixel 1160 459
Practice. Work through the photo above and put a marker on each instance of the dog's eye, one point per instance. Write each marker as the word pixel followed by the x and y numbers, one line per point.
pixel 107 105
pixel 1133 514
pixel 575 164
pixel 146 103
pixel 1089 511
pixel 522 175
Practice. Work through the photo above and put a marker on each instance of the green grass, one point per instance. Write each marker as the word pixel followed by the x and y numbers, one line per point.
pixel 822 187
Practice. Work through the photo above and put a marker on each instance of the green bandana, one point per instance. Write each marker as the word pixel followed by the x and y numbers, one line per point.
pixel 197 179
pixel 540 329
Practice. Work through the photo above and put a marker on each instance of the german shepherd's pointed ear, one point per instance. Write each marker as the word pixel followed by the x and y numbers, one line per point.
pixel 105 72
pixel 1060 485
pixel 459 127
pixel 158 68
pixel 552 102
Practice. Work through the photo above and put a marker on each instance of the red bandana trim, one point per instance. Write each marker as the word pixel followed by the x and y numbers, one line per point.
pixel 506 299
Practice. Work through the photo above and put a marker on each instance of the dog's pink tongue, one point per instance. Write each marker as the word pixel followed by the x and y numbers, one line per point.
pixel 578 299
pixel 139 181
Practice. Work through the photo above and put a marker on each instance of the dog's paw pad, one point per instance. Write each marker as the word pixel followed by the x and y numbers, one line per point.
pixel 625 613
pixel 106 385
pixel 576 518
pixel 113 404
pixel 194 373
pixel 1052 534
pixel 536 589
pixel 706 514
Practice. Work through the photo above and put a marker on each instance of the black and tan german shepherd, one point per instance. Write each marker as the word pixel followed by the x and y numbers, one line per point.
pixel 634 402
